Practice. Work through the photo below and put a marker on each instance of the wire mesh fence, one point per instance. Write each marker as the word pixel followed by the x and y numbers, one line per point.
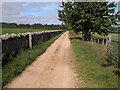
pixel 113 47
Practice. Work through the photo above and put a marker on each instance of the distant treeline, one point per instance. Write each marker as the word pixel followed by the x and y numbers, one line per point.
pixel 33 26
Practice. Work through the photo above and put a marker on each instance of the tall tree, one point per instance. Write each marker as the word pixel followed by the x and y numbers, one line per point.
pixel 118 15
pixel 88 17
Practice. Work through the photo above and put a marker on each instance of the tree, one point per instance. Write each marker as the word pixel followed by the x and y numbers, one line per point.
pixel 118 15
pixel 88 17
pixel 9 25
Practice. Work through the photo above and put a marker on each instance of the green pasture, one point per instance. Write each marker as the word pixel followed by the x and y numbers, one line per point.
pixel 92 65
pixel 18 30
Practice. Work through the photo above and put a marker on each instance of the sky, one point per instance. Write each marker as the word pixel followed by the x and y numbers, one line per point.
pixel 31 12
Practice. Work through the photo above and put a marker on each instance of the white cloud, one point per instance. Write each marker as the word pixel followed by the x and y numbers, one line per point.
pixel 14 12
pixel 9 9
pixel 50 19
pixel 116 1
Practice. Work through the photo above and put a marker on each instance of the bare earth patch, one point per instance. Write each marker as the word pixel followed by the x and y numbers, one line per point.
pixel 53 69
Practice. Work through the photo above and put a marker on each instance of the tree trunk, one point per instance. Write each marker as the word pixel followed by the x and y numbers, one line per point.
pixel 86 36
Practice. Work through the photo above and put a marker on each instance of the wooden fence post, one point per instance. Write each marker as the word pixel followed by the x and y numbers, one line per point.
pixel 108 44
pixel 94 40
pixel 102 41
pixel 83 39
pixel 98 41
pixel 30 41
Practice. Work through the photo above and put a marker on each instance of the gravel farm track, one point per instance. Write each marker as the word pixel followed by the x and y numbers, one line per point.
pixel 53 69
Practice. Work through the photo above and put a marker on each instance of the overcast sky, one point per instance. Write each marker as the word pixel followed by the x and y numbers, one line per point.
pixel 31 12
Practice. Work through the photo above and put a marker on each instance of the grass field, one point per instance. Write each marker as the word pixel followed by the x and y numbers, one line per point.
pixel 23 59
pixel 114 36
pixel 92 67
pixel 16 30
pixel 115 44
pixel 115 49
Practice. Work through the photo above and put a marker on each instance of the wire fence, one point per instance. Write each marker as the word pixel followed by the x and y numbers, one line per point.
pixel 113 47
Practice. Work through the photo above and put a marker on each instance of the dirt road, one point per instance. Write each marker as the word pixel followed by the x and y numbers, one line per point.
pixel 53 69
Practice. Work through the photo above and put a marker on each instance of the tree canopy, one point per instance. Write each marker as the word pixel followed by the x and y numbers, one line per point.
pixel 118 15
pixel 88 17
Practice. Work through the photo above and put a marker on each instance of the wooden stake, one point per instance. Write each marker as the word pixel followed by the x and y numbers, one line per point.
pixel 30 41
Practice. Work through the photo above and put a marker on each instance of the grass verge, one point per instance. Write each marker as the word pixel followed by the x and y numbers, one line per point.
pixel 23 59
pixel 92 68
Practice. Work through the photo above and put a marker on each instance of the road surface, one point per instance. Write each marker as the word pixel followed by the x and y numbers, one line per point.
pixel 52 69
